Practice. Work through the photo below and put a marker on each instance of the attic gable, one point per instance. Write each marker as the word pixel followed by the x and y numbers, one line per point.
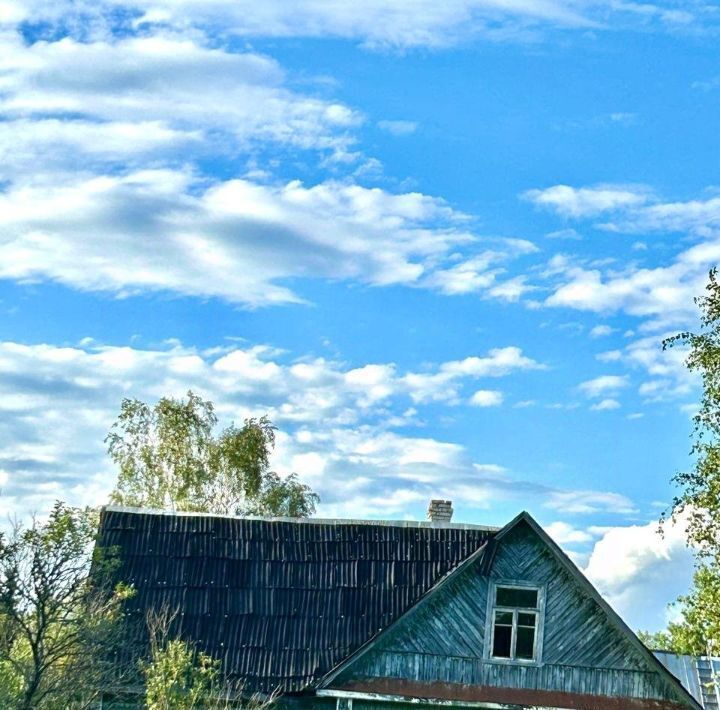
pixel 585 649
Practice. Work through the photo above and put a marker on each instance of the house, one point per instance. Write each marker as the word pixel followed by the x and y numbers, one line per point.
pixel 699 674
pixel 372 614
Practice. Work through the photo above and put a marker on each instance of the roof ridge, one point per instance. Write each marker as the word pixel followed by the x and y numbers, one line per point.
pixel 313 521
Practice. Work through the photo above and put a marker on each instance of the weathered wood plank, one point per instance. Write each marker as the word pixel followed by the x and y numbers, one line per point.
pixel 583 652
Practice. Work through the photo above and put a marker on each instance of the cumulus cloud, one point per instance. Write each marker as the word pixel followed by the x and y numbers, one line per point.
pixel 337 426
pixel 487 398
pixel 165 230
pixel 92 114
pixel 638 571
pixel 701 217
pixel 664 294
pixel 567 233
pixel 565 534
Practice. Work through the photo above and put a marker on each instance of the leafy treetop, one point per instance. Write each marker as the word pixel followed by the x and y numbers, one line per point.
pixel 698 629
pixel 699 498
pixel 169 457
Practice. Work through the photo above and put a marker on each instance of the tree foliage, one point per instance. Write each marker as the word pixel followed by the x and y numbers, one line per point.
pixel 169 457
pixel 177 676
pixel 699 495
pixel 58 625
pixel 698 631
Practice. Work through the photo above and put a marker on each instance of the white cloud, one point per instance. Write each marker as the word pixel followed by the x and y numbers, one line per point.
pixel 600 331
pixel 398 128
pixel 606 405
pixel 483 272
pixel 486 398
pixel 701 217
pixel 567 233
pixel 65 143
pixel 376 23
pixel 442 385
pixel 512 289
pixel 663 293
pixel 605 384
pixel 152 92
pixel 609 356
pixel 79 109
pixel 163 230
pixel 624 117
pixel 590 502
pixel 667 373
pixel 635 208
pixel 587 201
pixel 336 426
pixel 565 534
pixel 638 571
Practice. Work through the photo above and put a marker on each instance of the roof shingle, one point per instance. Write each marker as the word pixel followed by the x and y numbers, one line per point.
pixel 280 602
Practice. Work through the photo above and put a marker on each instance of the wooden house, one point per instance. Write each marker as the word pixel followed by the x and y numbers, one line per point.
pixel 369 614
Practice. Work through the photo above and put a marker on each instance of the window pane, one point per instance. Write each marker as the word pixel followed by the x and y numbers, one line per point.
pixel 504 618
pixel 501 641
pixel 507 596
pixel 524 643
pixel 526 619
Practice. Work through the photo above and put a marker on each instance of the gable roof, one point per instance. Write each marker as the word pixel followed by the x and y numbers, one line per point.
pixel 680 692
pixel 280 601
pixel 484 558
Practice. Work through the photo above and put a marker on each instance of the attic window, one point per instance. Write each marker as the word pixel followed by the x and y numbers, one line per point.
pixel 516 619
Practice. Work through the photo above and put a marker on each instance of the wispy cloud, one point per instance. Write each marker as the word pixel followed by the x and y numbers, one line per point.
pixel 148 93
pixel 602 330
pixel 398 128
pixel 587 201
pixel 604 384
pixel 486 272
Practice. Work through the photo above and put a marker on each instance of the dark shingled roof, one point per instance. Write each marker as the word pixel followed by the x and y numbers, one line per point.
pixel 281 602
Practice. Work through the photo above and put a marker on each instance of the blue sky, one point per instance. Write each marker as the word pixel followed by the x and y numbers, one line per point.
pixel 440 244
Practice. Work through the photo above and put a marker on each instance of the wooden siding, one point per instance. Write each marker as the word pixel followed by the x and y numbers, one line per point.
pixel 443 638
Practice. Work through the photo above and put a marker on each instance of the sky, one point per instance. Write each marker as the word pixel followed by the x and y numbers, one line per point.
pixel 439 244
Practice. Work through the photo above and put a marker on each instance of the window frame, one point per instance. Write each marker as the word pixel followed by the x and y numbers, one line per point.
pixel 538 611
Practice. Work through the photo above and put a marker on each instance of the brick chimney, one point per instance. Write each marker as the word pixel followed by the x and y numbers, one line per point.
pixel 440 511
